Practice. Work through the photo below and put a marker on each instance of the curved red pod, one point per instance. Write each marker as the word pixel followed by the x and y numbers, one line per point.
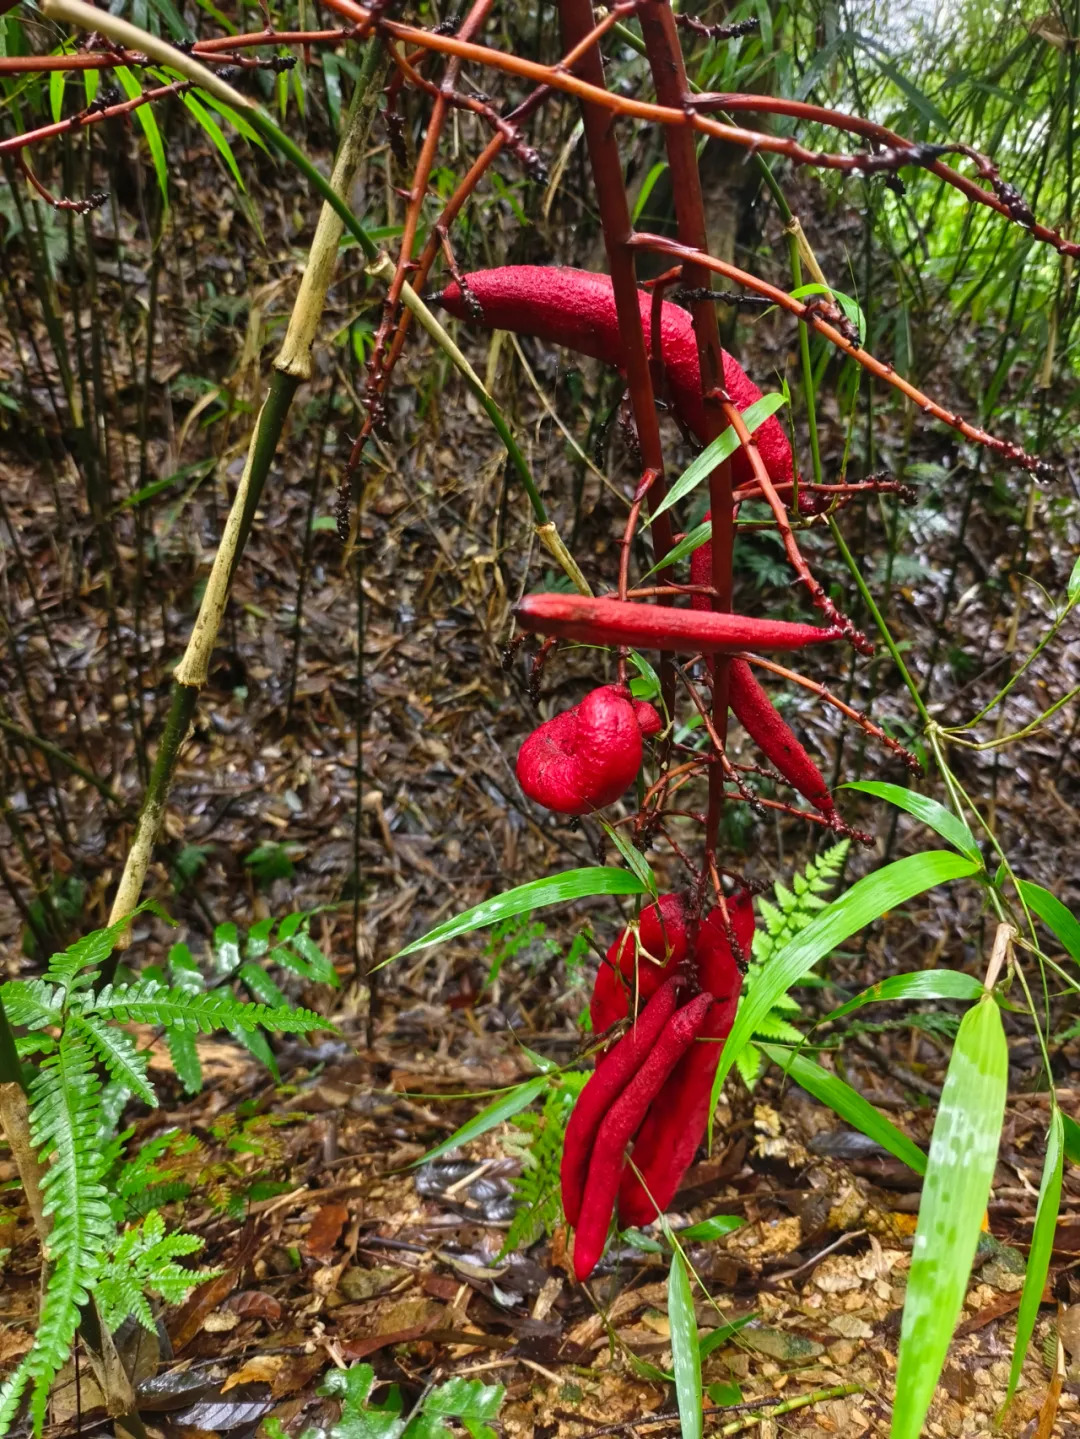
pixel 662 627
pixel 675 1124
pixel 619 1126
pixel 775 738
pixel 623 1061
pixel 576 309
pixel 587 756
pixel 636 970
pixel 639 967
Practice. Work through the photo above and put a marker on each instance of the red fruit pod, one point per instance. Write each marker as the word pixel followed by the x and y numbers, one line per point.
pixel 639 966
pixel 587 756
pixel 775 738
pixel 576 309
pixel 675 1124
pixel 619 1126
pixel 677 1120
pixel 604 1087
pixel 662 627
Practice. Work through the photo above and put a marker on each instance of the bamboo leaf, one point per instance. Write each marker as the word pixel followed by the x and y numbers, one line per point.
pixel 715 453
pixel 963 1153
pixel 698 536
pixel 538 893
pixel 1042 1244
pixel 146 118
pixel 848 1103
pixel 503 1108
pixel 921 984
pixel 1053 914
pixel 948 825
pixel 217 137
pixel 866 900
pixel 685 1352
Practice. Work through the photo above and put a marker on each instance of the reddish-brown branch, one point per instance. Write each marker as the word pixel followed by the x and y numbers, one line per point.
pixel 78 207
pixel 664 52
pixel 425 161
pixel 91 116
pixel 906 153
pixel 1014 453
pixel 1004 198
pixel 431 249
pixel 791 549
pixel 817 688
pixel 217 51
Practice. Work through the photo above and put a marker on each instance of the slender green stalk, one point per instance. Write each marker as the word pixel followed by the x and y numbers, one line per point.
pixel 883 629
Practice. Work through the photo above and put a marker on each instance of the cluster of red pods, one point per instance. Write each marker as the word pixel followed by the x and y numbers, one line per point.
pixel 674 976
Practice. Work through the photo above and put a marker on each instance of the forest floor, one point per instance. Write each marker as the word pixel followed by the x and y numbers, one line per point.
pixel 360 1252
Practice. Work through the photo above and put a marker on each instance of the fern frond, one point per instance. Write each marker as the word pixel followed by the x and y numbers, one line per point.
pixel 64 1125
pixel 144 1262
pixel 538 1189
pixel 68 969
pixel 795 907
pixel 185 1058
pixel 11 1393
pixel 31 1003
pixel 117 1051
pixel 147 1001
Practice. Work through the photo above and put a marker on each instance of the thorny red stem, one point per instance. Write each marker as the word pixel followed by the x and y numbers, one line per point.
pixel 664 53
pixel 218 50
pixel 791 548
pixel 575 18
pixel 91 116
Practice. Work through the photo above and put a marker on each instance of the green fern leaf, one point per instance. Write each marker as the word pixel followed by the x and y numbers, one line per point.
pixel 794 909
pixel 185 1058
pixel 117 1051
pixel 64 1126
pixel 150 1002
pixel 142 1262
pixel 748 1063
pixel 31 1003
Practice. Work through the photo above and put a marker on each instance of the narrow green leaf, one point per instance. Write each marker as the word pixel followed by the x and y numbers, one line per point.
pixel 56 93
pixel 1073 590
pixel 1042 1244
pixel 503 1108
pixel 868 899
pixel 963 1153
pixel 145 116
pixel 636 861
pixel 722 448
pixel 697 537
pixel 1053 914
pixel 948 825
pixel 921 984
pixel 647 189
pixel 217 137
pixel 1071 1139
pixel 848 1103
pixel 715 1228
pixel 685 1351
pixel 538 893
pixel 721 1335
